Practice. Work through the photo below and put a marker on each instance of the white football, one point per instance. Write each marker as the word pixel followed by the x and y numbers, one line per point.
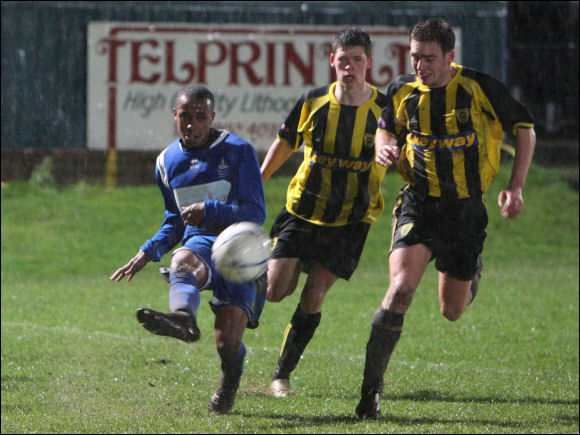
pixel 241 252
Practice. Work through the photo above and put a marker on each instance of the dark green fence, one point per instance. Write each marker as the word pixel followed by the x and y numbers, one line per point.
pixel 531 46
pixel 44 48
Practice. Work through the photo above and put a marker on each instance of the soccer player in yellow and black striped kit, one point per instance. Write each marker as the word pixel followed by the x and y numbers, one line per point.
pixel 334 196
pixel 443 126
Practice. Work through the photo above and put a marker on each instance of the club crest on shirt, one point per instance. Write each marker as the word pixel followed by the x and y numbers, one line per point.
pixel 462 115
pixel 369 140
pixel 194 163
pixel 223 169
pixel 414 123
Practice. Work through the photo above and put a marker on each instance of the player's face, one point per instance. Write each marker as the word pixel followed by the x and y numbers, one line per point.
pixel 351 65
pixel 193 119
pixel 432 67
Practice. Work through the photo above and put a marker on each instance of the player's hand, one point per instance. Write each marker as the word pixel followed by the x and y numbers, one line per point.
pixel 193 214
pixel 511 202
pixel 387 155
pixel 131 268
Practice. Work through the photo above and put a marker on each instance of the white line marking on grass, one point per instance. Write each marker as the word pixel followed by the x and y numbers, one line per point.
pixel 66 329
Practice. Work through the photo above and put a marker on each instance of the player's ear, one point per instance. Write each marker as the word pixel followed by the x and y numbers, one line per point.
pixel 450 56
pixel 332 60
pixel 369 62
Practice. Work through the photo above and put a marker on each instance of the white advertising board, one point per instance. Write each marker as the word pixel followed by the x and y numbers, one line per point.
pixel 256 72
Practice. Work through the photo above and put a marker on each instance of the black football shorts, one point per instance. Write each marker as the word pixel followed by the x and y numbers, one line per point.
pixel 336 248
pixel 453 229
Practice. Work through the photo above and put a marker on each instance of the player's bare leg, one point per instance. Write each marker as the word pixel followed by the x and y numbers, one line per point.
pixel 283 274
pixel 301 328
pixel 407 266
pixel 454 296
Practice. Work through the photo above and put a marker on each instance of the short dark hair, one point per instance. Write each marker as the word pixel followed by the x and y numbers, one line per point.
pixel 352 37
pixel 435 30
pixel 196 92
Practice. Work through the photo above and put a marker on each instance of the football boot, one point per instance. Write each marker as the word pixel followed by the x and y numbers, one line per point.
pixel 177 324
pixel 164 271
pixel 369 406
pixel 279 388
pixel 223 399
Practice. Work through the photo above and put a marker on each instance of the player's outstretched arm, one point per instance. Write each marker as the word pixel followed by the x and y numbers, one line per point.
pixel 131 268
pixel 511 200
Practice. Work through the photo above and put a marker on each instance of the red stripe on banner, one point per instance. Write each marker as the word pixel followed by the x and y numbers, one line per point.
pixel 112 118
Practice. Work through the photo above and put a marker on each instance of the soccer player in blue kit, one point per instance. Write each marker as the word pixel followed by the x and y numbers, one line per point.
pixel 209 180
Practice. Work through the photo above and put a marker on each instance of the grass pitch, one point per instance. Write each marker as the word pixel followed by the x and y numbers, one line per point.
pixel 75 360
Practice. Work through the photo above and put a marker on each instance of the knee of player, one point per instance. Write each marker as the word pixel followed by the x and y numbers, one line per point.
pixel 275 294
pixel 400 295
pixel 451 313
pixel 228 350
pixel 182 260
pixel 190 263
pixel 228 339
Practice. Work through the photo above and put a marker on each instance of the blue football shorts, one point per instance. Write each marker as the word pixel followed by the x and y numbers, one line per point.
pixel 225 293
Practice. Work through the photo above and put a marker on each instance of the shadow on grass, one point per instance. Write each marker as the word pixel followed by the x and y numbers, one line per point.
pixel 296 421
pixel 437 396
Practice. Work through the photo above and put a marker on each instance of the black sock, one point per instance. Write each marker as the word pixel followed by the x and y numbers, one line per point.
pixel 298 334
pixel 386 328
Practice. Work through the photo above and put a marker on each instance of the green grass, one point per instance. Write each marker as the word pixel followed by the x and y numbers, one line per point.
pixel 74 359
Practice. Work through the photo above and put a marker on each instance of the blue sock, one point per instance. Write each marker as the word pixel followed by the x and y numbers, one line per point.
pixel 235 367
pixel 183 293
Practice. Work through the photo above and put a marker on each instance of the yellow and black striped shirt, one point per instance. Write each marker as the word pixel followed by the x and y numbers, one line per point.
pixel 338 182
pixel 451 136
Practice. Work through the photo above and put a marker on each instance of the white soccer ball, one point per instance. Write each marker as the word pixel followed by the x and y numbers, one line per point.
pixel 241 252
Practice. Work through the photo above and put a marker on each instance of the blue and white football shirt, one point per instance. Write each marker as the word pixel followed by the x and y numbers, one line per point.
pixel 225 176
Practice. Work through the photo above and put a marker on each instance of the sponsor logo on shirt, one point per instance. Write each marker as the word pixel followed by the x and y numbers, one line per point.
pixel 346 163
pixel 450 142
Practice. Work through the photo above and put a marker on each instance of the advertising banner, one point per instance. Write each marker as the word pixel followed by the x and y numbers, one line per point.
pixel 256 72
